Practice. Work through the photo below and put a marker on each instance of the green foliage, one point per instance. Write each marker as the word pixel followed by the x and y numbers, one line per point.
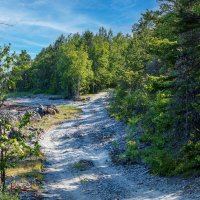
pixel 189 162
pixel 76 64
pixel 158 91
pixel 161 161
pixel 25 119
pixel 132 151
pixel 37 91
pixel 76 71
pixel 14 145
pixel 6 61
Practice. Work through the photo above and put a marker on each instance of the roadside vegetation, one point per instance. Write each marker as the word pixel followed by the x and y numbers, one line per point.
pixel 158 93
pixel 47 122
pixel 18 94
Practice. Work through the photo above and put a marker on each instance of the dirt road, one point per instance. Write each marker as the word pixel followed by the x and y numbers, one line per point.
pixel 90 137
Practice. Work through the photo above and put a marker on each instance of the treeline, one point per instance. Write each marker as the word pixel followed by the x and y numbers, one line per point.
pixel 159 92
pixel 156 76
pixel 77 64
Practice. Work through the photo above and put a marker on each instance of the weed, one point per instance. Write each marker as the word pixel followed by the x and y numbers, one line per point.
pixel 83 165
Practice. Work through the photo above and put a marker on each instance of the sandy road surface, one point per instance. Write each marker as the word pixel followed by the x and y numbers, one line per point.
pixel 89 137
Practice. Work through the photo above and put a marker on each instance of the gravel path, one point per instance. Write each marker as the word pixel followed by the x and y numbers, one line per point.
pixel 90 137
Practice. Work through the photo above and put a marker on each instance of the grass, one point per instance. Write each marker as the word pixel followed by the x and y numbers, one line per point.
pixel 28 173
pixel 80 166
pixel 31 93
pixel 66 112
pixel 83 165
pixel 19 94
pixel 8 196
pixel 87 95
pixel 29 168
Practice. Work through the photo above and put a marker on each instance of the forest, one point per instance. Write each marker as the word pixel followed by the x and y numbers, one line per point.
pixel 153 75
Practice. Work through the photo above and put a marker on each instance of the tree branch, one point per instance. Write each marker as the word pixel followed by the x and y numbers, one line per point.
pixel 2 23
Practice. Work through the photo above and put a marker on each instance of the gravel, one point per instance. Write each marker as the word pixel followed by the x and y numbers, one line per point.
pixel 90 138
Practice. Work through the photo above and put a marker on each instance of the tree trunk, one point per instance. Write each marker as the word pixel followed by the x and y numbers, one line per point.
pixel 3 172
pixel 3 180
pixel 93 90
pixel 76 92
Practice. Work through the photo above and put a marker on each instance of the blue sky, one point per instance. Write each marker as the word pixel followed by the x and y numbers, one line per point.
pixel 37 23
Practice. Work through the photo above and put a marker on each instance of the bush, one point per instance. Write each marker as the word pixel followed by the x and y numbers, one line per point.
pixel 161 161
pixel 37 91
pixel 189 164
pixel 127 105
pixel 132 151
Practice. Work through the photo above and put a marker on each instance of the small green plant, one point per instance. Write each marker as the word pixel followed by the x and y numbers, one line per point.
pixel 84 180
pixel 122 156
pixel 80 166
pixel 132 151
pixel 83 165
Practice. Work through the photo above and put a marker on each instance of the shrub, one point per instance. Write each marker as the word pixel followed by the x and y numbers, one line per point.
pixel 132 151
pixel 189 163
pixel 37 91
pixel 161 161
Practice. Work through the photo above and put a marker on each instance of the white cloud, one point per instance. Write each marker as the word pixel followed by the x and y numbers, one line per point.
pixel 30 42
pixel 62 19
pixel 123 5
pixel 39 22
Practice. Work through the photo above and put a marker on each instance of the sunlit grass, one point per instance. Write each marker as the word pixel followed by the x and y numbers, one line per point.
pixel 29 168
pixel 8 196
pixel 66 112
pixel 87 95
pixel 26 174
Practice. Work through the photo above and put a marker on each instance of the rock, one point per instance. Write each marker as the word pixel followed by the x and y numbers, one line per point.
pixel 83 99
pixel 49 110
pixel 41 110
pixel 54 107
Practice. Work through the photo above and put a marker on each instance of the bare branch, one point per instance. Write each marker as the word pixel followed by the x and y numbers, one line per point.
pixel 2 23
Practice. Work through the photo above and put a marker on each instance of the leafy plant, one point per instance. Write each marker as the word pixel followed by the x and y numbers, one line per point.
pixel 132 151
pixel 15 146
